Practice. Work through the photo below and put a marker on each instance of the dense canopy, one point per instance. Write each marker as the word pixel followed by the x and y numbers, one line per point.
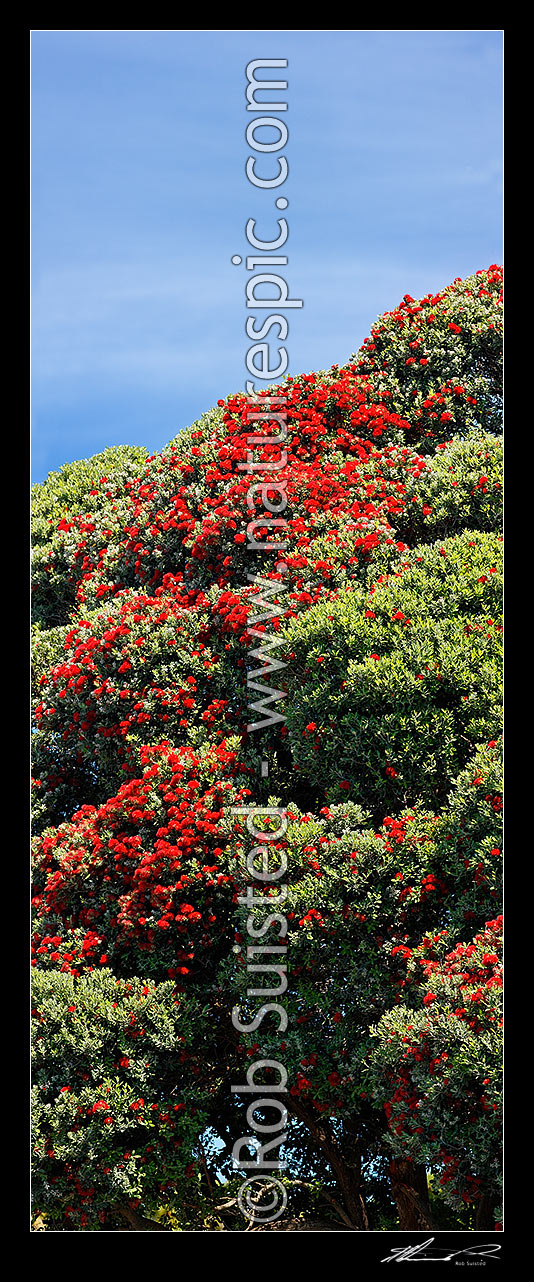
pixel 385 758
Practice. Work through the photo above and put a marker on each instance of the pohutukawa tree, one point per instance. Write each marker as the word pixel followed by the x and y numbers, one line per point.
pixel 386 760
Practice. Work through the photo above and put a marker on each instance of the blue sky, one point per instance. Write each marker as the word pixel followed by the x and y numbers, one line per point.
pixel 139 201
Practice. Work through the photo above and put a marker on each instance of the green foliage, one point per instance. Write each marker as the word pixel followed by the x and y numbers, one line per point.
pixel 389 691
pixel 115 1110
pixel 437 1069
pixel 79 493
pixel 460 489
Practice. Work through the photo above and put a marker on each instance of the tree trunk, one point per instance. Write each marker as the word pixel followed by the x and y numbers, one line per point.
pixel 485 1216
pixel 410 1192
pixel 140 1223
pixel 347 1169
pixel 348 1180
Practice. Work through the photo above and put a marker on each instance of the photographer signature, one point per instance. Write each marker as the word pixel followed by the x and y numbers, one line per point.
pixel 427 1252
